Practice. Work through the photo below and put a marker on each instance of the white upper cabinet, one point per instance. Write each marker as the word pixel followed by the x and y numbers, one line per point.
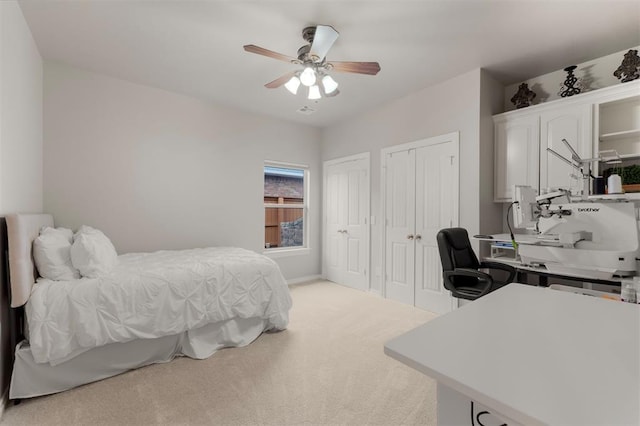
pixel 516 152
pixel 603 119
pixel 572 123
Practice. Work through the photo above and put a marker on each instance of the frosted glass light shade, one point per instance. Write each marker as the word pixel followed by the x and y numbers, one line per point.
pixel 308 77
pixel 293 84
pixel 314 92
pixel 330 85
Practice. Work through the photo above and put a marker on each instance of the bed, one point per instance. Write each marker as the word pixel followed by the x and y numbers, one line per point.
pixel 149 309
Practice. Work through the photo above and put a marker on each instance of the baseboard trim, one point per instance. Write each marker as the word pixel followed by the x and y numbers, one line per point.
pixel 304 279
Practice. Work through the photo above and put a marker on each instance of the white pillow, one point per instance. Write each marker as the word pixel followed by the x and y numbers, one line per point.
pixel 92 252
pixel 52 254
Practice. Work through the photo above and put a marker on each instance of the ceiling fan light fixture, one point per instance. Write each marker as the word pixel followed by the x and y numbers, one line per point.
pixel 333 94
pixel 314 92
pixel 329 84
pixel 293 84
pixel 308 77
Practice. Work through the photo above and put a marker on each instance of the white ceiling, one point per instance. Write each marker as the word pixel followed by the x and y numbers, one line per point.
pixel 195 47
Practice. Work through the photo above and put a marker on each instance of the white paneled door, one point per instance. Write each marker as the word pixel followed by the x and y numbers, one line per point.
pixel 400 223
pixel 421 197
pixel 346 248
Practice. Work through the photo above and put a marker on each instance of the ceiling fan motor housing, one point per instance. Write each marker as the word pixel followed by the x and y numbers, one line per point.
pixel 303 53
pixel 308 33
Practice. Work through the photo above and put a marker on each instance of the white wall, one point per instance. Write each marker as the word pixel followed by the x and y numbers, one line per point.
pixel 491 96
pixel 20 114
pixel 596 74
pixel 453 105
pixel 20 145
pixel 157 170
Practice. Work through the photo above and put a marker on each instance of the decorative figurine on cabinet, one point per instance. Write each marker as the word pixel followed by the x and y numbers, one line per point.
pixel 523 96
pixel 572 85
pixel 629 67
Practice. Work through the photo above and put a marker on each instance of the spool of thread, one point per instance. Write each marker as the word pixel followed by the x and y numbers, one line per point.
pixel 614 185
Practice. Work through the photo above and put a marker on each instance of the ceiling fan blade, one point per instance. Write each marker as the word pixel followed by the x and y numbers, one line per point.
pixel 252 48
pixel 323 39
pixel 280 80
pixel 371 68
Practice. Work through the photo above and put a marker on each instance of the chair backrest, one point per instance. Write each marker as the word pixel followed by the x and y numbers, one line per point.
pixel 455 249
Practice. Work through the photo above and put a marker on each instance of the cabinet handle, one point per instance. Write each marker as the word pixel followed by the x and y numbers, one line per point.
pixel 410 237
pixel 418 237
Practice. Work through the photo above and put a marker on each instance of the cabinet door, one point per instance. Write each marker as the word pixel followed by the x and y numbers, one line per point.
pixel 516 155
pixel 572 123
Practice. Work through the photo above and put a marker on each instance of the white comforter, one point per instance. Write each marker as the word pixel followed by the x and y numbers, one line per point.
pixel 151 295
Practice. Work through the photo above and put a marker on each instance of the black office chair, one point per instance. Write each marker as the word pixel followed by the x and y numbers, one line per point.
pixel 460 266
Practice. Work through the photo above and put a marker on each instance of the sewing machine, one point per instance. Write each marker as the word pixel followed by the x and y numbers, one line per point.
pixel 589 239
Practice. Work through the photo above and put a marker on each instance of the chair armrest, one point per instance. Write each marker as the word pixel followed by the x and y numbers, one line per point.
pixel 465 272
pixel 503 267
pixel 483 276
pixel 497 265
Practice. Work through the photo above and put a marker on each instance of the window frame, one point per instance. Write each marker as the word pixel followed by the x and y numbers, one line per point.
pixel 305 206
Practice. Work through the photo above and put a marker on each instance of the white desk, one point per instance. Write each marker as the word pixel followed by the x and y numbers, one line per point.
pixel 520 238
pixel 534 356
pixel 539 270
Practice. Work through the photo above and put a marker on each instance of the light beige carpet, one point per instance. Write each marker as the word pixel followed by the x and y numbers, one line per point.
pixel 327 368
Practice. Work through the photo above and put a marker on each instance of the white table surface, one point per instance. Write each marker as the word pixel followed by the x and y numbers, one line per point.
pixel 536 355
pixel 520 238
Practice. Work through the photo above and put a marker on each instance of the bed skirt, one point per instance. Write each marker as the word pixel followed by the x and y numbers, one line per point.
pixel 31 379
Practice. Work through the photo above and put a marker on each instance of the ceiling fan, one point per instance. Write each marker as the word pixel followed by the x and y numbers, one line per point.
pixel 312 58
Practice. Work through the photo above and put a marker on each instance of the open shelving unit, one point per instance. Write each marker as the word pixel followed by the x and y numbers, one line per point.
pixel 619 126
pixel 619 130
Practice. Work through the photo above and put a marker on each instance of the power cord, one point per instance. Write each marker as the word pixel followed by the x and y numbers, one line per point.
pixel 477 417
pixel 513 239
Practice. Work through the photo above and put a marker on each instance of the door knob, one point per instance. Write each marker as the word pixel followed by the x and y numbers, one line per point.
pixel 418 237
pixel 410 237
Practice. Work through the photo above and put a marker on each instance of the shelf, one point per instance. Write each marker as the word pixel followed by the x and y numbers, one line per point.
pixel 627 134
pixel 622 157
pixel 629 196
pixel 629 156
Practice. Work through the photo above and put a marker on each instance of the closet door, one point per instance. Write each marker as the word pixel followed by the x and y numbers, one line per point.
pixel 400 224
pixel 346 247
pixel 333 226
pixel 436 208
pixel 420 197
pixel 355 225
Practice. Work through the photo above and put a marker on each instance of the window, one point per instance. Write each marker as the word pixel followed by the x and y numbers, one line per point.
pixel 285 206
